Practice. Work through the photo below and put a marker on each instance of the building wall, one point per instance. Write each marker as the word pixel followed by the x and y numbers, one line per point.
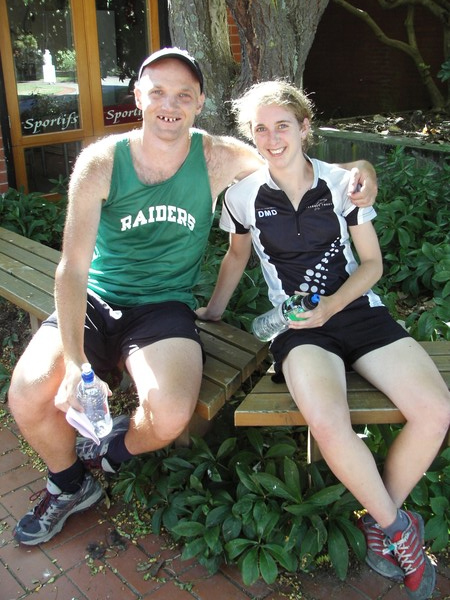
pixel 350 73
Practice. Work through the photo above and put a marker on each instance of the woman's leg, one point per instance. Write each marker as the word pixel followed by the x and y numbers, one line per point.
pixel 316 380
pixel 408 376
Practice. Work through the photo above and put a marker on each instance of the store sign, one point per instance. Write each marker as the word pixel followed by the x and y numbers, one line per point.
pixel 47 124
pixel 121 113
pixel 33 123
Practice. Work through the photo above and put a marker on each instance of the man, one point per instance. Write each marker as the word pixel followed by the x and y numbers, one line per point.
pixel 139 213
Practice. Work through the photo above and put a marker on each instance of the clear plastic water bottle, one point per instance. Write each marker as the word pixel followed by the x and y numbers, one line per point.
pixel 275 321
pixel 93 397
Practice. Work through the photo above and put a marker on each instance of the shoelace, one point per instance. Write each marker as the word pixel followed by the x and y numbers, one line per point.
pixel 407 557
pixel 376 539
pixel 40 508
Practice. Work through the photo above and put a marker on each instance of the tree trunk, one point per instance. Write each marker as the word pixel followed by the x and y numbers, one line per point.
pixel 275 37
pixel 201 27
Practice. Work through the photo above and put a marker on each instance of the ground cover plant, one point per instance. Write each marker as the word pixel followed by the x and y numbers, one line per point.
pixel 247 495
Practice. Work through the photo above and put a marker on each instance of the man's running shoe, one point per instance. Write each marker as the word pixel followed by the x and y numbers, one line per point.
pixel 378 557
pixel 47 518
pixel 407 547
pixel 93 455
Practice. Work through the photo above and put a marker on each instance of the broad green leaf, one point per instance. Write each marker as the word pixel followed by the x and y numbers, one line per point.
pixel 189 528
pixel 267 566
pixel 250 567
pixel 436 529
pixel 212 537
pixel 217 515
pixel 419 494
pixel 440 506
pixel 274 485
pixel 304 509
pixel 226 447
pixel 354 536
pixel 231 528
pixel 256 440
pixel 338 551
pixel 246 478
pixel 281 449
pixel 292 478
pixel 193 549
pixel 236 547
pixel 287 559
pixel 327 495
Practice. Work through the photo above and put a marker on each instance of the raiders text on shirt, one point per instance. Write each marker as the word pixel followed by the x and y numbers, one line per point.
pixel 171 214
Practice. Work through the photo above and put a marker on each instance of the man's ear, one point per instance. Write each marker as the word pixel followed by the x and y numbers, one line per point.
pixel 137 97
pixel 200 103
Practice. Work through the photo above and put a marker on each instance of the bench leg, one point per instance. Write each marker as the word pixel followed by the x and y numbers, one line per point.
pixel 35 323
pixel 314 453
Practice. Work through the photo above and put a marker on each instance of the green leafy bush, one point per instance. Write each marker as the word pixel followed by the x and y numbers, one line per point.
pixel 412 225
pixel 32 216
pixel 251 499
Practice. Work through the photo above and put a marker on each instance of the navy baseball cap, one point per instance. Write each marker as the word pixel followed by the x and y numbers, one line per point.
pixel 174 53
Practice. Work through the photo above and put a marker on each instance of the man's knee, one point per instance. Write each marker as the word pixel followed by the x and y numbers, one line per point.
pixel 167 422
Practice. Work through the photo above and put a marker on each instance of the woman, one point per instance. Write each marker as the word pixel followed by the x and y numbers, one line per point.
pixel 297 213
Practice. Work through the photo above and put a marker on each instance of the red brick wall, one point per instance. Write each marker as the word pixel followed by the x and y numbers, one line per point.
pixel 349 72
pixel 234 38
pixel 3 172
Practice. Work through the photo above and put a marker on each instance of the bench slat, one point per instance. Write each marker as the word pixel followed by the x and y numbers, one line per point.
pixel 28 274
pixel 30 299
pixel 270 404
pixel 236 337
pixel 210 400
pixel 279 410
pixel 12 240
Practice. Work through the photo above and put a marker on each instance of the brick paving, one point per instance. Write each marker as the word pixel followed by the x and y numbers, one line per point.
pixel 60 569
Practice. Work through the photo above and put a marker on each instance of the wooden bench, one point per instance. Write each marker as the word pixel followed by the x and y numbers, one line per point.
pixel 270 404
pixel 27 271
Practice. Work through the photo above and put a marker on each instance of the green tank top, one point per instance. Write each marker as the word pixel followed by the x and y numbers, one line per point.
pixel 151 238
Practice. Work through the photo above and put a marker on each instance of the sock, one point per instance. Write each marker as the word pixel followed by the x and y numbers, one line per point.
pixel 69 480
pixel 400 524
pixel 369 519
pixel 117 452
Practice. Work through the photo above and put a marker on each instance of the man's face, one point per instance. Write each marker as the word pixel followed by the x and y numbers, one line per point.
pixel 168 94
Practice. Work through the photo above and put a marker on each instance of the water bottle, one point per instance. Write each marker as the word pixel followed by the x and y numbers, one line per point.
pixel 276 320
pixel 93 397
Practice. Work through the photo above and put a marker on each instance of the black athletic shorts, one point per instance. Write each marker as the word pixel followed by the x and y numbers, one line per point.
pixel 350 333
pixel 112 333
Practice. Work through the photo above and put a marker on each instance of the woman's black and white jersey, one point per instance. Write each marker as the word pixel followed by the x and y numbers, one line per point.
pixel 307 249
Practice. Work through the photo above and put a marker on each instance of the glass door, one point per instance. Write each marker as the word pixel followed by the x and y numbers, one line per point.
pixel 70 67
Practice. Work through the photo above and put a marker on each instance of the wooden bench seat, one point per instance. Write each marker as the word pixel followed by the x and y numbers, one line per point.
pixel 270 404
pixel 27 271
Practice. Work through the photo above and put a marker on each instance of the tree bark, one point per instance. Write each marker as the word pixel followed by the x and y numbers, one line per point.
pixel 275 37
pixel 201 28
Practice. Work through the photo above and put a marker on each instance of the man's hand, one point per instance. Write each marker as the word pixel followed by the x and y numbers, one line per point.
pixel 204 315
pixel 67 391
pixel 363 188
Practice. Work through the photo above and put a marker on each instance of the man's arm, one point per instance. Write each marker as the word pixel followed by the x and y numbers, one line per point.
pixel 230 273
pixel 89 184
pixel 228 160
